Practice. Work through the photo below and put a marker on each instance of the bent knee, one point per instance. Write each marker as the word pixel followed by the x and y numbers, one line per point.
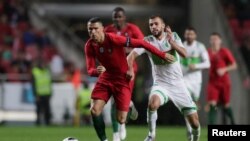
pixel 154 103
pixel 95 111
pixel 121 119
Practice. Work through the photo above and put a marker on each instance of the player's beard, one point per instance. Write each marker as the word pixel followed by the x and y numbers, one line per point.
pixel 190 41
pixel 157 33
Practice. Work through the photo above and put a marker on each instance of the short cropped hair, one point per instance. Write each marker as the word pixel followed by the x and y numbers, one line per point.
pixel 191 28
pixel 157 16
pixel 95 20
pixel 216 34
pixel 118 9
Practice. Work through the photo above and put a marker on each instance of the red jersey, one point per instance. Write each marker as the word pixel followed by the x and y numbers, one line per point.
pixel 111 54
pixel 218 60
pixel 130 30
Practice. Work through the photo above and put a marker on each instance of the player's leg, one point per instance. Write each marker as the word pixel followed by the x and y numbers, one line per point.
pixel 195 125
pixel 100 97
pixel 115 124
pixel 194 90
pixel 98 121
pixel 227 110
pixel 183 101
pixel 122 98
pixel 212 98
pixel 156 99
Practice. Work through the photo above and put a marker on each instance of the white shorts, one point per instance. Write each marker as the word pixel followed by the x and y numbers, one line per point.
pixel 179 95
pixel 194 90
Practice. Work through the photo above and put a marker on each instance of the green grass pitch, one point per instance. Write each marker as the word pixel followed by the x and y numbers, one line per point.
pixel 134 133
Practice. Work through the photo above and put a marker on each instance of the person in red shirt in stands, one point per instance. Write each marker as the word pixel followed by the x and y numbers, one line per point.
pixel 121 27
pixel 219 84
pixel 113 78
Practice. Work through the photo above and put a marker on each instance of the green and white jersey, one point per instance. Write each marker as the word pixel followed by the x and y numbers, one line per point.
pixel 197 55
pixel 164 72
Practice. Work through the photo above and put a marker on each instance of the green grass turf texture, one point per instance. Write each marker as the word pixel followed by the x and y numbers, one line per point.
pixel 134 133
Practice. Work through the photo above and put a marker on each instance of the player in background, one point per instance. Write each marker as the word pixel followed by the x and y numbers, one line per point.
pixel 121 27
pixel 219 84
pixel 197 59
pixel 108 50
pixel 167 76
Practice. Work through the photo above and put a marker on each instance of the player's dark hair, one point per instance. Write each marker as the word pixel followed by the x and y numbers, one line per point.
pixel 157 16
pixel 118 9
pixel 95 20
pixel 216 34
pixel 191 28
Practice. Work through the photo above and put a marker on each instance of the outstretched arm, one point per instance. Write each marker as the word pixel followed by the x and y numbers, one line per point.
pixel 136 43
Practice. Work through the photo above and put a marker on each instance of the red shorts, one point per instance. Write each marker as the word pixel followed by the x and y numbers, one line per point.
pixel 119 89
pixel 219 93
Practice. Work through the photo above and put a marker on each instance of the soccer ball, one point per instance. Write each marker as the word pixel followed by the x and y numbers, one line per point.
pixel 70 139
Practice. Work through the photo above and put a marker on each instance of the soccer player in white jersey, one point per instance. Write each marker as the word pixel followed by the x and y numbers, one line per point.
pixel 167 76
pixel 197 59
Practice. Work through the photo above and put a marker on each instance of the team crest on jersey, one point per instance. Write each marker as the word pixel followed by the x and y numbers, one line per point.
pixel 101 49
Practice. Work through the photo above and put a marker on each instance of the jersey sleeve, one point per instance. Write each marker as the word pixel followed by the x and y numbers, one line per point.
pixel 90 60
pixel 205 63
pixel 121 41
pixel 229 57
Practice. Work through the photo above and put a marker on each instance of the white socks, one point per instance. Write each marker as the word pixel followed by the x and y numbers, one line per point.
pixel 151 119
pixel 196 134
pixel 189 130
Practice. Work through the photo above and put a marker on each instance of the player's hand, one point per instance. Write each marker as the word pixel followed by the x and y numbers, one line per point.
pixel 130 74
pixel 101 69
pixel 170 58
pixel 192 67
pixel 221 71
pixel 169 34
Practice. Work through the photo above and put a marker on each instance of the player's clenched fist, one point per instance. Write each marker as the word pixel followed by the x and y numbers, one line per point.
pixel 101 69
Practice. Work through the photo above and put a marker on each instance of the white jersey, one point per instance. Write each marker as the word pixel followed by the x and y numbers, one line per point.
pixel 169 74
pixel 197 55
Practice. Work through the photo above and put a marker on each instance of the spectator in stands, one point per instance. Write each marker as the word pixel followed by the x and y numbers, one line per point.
pixel 22 63
pixel 245 50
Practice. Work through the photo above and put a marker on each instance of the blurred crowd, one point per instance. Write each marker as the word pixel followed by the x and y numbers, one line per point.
pixel 237 12
pixel 21 45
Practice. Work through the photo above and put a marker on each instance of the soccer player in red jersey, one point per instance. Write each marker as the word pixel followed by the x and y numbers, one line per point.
pixel 123 28
pixel 107 49
pixel 219 84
